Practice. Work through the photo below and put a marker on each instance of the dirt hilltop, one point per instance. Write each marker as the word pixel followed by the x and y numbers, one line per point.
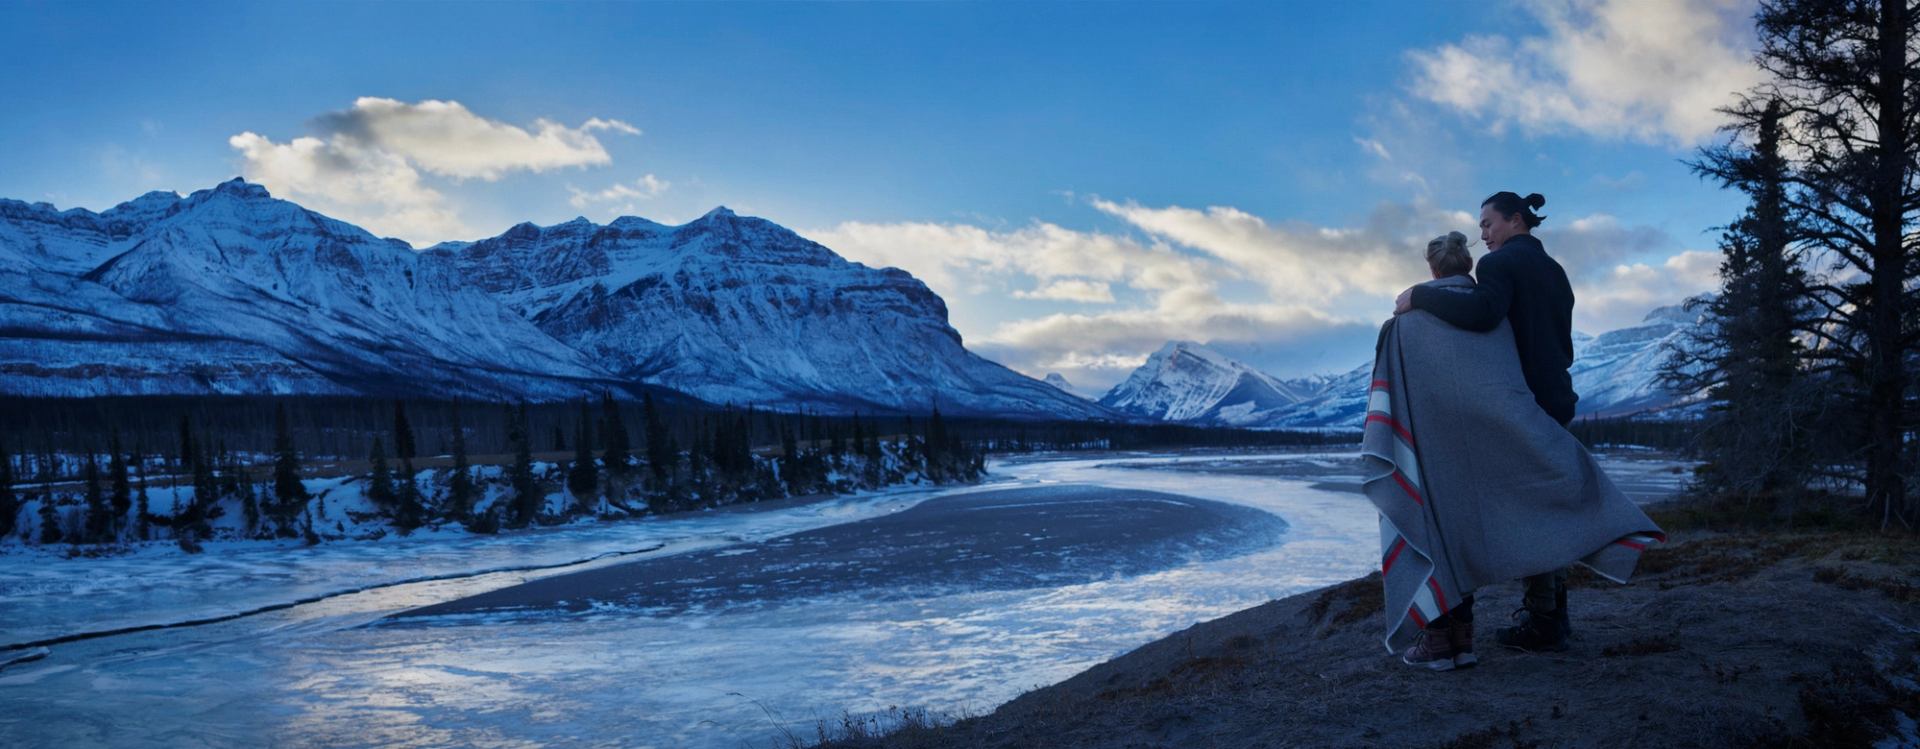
pixel 1724 640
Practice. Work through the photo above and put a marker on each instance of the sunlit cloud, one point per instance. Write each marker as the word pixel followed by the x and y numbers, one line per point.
pixel 366 164
pixel 1648 71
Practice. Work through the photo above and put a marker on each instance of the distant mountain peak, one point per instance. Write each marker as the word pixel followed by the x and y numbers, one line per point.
pixel 1187 381
pixel 718 212
pixel 240 187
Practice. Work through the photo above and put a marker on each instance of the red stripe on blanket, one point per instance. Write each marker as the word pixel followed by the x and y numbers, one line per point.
pixel 1437 595
pixel 1414 611
pixel 1631 545
pixel 1408 488
pixel 1379 385
pixel 1388 420
pixel 1392 554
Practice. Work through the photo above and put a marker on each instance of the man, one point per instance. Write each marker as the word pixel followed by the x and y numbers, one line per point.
pixel 1519 283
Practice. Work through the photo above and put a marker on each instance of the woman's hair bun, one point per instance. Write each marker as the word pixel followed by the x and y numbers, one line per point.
pixel 1536 200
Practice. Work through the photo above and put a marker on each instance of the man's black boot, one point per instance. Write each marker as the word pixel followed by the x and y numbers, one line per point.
pixel 1537 632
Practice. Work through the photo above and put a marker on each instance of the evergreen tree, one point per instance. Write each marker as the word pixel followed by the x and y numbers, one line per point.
pixel 1844 75
pixel 122 486
pixel 526 491
pixel 189 456
pixel 99 521
pixel 403 445
pixel 380 480
pixel 143 517
pixel 9 502
pixel 613 436
pixel 789 447
pixel 559 439
pixel 1746 354
pixel 289 494
pixel 583 478
pixel 49 515
pixel 409 509
pixel 460 485
pixel 206 486
pixel 661 455
pixel 249 499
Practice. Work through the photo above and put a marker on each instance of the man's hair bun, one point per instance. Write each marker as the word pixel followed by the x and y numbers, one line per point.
pixel 1508 203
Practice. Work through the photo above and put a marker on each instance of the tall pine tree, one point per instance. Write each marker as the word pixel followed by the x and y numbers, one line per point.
pixel 613 436
pixel 99 521
pixel 583 477
pixel 661 456
pixel 122 486
pixel 9 502
pixel 526 490
pixel 380 477
pixel 289 494
pixel 1756 438
pixel 460 484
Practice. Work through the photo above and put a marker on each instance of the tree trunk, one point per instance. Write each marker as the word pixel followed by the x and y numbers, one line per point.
pixel 1886 486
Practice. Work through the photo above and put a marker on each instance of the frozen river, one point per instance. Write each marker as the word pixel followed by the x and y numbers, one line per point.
pixel 721 629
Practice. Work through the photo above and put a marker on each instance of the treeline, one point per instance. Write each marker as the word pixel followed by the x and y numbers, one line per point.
pixel 1808 355
pixel 597 464
pixel 1669 434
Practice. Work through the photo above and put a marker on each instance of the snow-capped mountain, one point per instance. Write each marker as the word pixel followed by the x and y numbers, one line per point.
pixel 1615 373
pixel 1057 380
pixel 738 309
pixel 229 290
pixel 1185 381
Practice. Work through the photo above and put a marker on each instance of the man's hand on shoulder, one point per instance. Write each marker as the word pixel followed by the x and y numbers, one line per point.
pixel 1404 304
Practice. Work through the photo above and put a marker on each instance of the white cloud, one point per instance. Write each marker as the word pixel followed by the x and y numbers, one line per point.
pixel 952 258
pixel 647 187
pixel 375 189
pixel 1321 290
pixel 1304 263
pixel 1071 290
pixel 365 164
pixel 445 138
pixel 1373 147
pixel 1626 293
pixel 1650 71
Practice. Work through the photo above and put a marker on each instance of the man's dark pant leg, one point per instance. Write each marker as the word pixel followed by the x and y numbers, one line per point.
pixel 1543 591
pixel 1547 591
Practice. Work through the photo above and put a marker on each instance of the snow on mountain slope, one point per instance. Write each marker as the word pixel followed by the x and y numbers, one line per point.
pixel 739 309
pixel 231 290
pixel 1057 380
pixel 1616 373
pixel 1185 381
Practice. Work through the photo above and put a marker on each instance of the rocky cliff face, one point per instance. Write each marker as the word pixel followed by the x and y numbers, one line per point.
pixel 738 309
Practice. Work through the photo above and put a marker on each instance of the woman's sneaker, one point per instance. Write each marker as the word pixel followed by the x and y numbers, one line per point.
pixel 1460 636
pixel 1537 632
pixel 1433 651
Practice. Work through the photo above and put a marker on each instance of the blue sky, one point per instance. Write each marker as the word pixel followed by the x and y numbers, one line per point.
pixel 1081 182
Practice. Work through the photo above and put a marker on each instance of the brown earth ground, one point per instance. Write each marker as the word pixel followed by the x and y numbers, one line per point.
pixel 1724 639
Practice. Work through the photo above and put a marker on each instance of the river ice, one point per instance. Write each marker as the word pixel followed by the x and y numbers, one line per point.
pixel 709 675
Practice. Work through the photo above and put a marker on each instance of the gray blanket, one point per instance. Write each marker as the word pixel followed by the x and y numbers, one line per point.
pixel 1474 482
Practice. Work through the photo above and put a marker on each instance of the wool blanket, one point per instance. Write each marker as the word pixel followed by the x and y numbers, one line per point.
pixel 1474 482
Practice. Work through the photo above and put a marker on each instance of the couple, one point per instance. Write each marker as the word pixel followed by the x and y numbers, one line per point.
pixel 1474 473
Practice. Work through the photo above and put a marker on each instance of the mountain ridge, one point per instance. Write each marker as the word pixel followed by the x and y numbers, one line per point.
pixel 230 290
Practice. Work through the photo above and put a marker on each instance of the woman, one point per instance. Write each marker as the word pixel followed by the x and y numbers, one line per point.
pixel 1475 482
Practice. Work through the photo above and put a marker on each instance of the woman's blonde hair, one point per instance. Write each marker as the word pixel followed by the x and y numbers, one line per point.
pixel 1447 255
